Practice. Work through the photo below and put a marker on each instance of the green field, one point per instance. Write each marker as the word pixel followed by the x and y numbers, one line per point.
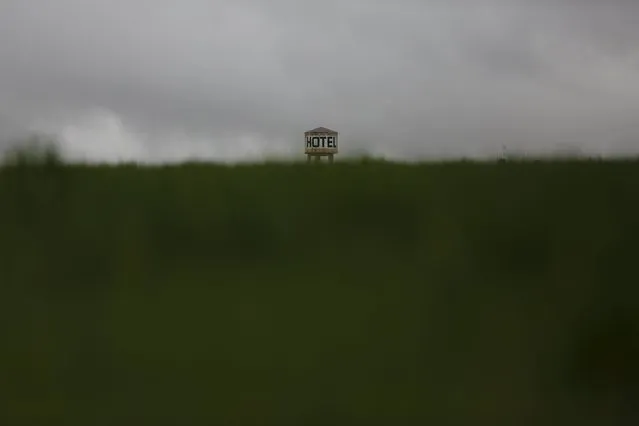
pixel 285 294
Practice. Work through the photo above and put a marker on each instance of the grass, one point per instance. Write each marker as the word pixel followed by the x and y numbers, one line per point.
pixel 284 294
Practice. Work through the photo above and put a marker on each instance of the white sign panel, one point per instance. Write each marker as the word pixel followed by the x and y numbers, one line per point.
pixel 321 143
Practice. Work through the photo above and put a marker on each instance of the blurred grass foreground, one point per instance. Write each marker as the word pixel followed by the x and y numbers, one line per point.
pixel 286 294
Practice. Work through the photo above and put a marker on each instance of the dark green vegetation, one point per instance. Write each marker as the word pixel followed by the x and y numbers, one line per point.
pixel 444 294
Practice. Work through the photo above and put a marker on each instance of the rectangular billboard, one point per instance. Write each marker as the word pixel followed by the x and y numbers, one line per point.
pixel 321 143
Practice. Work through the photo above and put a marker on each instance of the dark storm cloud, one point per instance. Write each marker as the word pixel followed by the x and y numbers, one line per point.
pixel 232 79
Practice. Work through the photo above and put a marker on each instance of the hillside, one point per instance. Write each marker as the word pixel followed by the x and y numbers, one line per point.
pixel 373 293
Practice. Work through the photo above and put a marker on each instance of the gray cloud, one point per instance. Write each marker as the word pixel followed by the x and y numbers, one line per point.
pixel 160 79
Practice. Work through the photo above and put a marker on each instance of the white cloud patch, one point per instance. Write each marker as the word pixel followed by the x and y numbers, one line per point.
pixel 102 136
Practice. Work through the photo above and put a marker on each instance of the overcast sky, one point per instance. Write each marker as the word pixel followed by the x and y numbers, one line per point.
pixel 243 79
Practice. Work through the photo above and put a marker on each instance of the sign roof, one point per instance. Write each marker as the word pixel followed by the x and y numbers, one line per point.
pixel 321 130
